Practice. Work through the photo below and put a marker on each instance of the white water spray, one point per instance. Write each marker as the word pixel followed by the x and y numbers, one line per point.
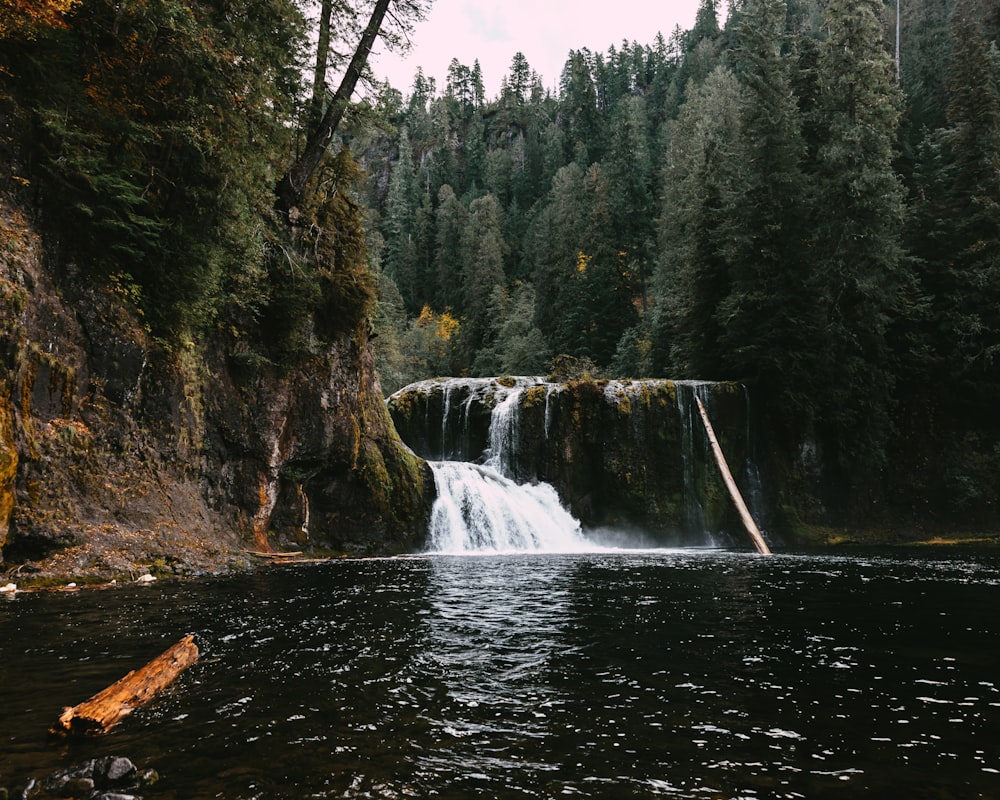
pixel 480 509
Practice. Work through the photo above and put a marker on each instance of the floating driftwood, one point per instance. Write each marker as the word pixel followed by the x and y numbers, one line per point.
pixel 734 491
pixel 275 554
pixel 102 711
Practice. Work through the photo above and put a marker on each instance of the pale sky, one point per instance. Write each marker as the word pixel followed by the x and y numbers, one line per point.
pixel 544 30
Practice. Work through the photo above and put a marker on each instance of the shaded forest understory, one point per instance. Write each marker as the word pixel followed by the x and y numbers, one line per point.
pixel 190 346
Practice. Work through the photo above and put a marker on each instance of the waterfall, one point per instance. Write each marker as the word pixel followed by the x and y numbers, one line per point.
pixel 629 458
pixel 551 389
pixel 753 492
pixel 504 432
pixel 694 512
pixel 481 509
pixel 478 510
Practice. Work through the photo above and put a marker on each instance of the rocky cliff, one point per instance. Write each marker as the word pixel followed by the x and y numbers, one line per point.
pixel 620 453
pixel 117 453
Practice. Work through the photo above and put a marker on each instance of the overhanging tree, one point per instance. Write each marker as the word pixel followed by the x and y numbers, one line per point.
pixel 292 186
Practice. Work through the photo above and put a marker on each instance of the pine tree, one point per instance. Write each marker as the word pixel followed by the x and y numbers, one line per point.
pixel 856 234
pixel 767 331
pixel 971 301
pixel 630 175
pixel 693 274
pixel 399 226
pixel 483 251
pixel 451 221
pixel 581 119
pixel 554 242
pixel 518 81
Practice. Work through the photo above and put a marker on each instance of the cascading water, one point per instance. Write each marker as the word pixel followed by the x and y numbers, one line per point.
pixel 480 509
pixel 686 393
pixel 629 458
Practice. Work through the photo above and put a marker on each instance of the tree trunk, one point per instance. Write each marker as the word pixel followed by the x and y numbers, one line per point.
pixel 734 492
pixel 291 187
pixel 322 59
pixel 139 687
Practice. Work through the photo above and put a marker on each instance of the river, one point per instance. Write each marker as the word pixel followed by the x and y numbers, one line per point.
pixel 698 673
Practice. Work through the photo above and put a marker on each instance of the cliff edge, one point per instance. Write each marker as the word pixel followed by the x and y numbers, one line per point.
pixel 120 454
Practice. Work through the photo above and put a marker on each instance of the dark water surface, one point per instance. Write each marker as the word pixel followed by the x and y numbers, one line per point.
pixel 679 674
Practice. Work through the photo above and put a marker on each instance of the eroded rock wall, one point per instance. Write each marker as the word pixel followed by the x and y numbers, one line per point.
pixel 620 453
pixel 117 454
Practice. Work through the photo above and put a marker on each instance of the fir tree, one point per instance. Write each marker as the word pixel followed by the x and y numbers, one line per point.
pixel 971 302
pixel 767 331
pixel 856 234
pixel 693 275
pixel 630 172
pixel 483 250
pixel 399 226
pixel 451 221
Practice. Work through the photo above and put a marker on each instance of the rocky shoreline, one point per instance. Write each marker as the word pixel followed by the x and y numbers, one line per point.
pixel 76 570
pixel 107 778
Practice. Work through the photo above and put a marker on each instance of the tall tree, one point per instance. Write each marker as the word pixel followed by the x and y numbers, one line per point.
pixel 581 118
pixel 596 295
pixel 292 186
pixel 451 221
pixel 483 251
pixel 693 274
pixel 971 308
pixel 766 327
pixel 519 80
pixel 630 176
pixel 399 226
pixel 856 232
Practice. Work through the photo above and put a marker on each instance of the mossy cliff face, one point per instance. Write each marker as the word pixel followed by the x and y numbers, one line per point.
pixel 619 453
pixel 8 467
pixel 310 457
pixel 116 454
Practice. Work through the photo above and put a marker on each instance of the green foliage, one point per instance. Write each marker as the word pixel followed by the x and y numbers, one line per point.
pixel 693 276
pixel 158 127
pixel 757 201
pixel 768 330
pixel 516 345
pixel 969 312
pixel 857 226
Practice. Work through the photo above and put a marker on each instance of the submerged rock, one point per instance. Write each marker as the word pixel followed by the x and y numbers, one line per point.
pixel 107 778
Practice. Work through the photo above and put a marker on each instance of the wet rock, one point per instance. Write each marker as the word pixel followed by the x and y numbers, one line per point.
pixel 621 454
pixel 116 451
pixel 107 778
pixel 113 771
pixel 77 787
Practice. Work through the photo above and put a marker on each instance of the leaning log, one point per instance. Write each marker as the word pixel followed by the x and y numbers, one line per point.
pixel 734 492
pixel 102 711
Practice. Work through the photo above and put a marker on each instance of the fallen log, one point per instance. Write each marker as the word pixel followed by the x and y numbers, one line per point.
pixel 734 492
pixel 102 711
pixel 274 554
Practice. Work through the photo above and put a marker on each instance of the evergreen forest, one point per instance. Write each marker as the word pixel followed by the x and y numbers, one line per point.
pixel 777 198
pixel 782 197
